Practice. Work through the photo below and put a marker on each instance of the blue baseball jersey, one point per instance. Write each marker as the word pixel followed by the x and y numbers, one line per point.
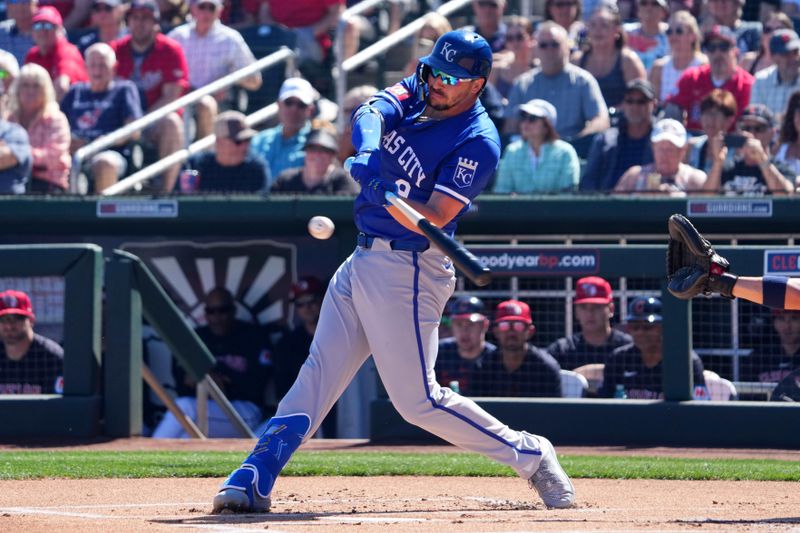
pixel 456 156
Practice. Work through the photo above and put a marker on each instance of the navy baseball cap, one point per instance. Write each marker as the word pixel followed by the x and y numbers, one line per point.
pixel 468 308
pixel 460 53
pixel 783 42
pixel 644 310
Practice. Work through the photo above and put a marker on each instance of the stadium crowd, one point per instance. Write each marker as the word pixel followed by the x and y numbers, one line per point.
pixel 623 97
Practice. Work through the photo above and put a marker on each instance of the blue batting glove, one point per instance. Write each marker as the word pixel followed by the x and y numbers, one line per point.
pixel 365 165
pixel 374 190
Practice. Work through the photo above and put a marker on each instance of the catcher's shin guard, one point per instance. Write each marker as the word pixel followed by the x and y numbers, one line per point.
pixel 248 488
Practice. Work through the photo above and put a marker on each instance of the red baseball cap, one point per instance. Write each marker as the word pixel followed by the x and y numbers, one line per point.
pixel 305 285
pixel 48 14
pixel 16 303
pixel 513 310
pixel 592 290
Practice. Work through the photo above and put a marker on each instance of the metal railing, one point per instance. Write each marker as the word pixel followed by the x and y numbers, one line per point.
pixel 113 138
pixel 182 155
pixel 344 66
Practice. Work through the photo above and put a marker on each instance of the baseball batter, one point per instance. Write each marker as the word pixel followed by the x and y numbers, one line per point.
pixel 429 139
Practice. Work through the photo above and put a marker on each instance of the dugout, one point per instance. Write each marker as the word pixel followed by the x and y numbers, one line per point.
pixel 638 224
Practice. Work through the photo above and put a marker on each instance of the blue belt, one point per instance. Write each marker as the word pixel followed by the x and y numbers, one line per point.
pixel 365 241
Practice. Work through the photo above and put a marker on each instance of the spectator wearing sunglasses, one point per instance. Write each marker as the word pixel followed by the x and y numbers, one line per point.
pixel 648 36
pixel 156 65
pixel 753 170
pixel 107 24
pixel 540 162
pixel 625 145
pixel 60 58
pixel 230 167
pixel 281 147
pixel 722 72
pixel 243 367
pixel 635 369
pixel 567 14
pixel 774 85
pixel 320 174
pixel 684 45
pixel 573 92
pixel 518 369
pixel 667 174
pixel 206 37
pixel 521 44
pixel 756 61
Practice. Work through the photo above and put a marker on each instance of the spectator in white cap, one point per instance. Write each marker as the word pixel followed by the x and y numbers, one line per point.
pixel 540 162
pixel 207 37
pixel 282 146
pixel 774 85
pixel 667 174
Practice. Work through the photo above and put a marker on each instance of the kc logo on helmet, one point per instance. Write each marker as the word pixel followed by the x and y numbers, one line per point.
pixel 448 52
pixel 465 172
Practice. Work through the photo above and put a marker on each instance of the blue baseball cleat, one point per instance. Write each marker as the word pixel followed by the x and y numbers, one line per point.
pixel 248 488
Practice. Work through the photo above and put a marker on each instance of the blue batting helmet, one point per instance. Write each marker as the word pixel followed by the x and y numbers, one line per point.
pixel 463 54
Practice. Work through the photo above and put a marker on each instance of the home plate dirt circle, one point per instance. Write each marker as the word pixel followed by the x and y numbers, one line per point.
pixel 399 504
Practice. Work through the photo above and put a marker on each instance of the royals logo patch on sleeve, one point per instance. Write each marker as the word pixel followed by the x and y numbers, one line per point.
pixel 465 172
pixel 398 91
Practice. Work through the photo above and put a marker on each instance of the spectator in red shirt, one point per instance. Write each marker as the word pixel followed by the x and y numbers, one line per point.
pixel 52 51
pixel 311 20
pixel 722 72
pixel 157 65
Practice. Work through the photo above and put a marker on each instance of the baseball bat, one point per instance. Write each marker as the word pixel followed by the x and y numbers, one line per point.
pixel 462 258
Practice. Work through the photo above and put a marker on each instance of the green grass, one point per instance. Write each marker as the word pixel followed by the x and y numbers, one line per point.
pixel 77 465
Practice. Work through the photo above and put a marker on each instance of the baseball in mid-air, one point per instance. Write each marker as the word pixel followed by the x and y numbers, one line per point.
pixel 320 227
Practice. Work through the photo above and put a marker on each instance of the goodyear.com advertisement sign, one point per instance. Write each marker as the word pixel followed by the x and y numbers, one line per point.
pixel 538 261
pixel 782 262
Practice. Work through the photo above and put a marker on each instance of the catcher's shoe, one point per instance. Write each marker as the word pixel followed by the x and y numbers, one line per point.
pixel 248 488
pixel 550 480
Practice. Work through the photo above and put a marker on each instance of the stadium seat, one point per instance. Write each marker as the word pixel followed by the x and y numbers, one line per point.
pixel 573 385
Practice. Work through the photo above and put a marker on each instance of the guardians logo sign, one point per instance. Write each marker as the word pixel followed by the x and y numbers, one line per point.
pixel 257 273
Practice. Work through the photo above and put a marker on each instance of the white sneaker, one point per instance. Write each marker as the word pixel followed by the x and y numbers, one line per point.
pixel 550 480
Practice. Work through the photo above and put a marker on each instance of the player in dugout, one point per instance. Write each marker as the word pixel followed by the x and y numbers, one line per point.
pixel 429 140
pixel 694 267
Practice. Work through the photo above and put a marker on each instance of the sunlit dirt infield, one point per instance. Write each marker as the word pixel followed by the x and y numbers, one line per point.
pixel 403 504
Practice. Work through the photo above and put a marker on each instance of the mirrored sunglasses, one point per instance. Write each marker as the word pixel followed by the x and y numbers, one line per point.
pixel 509 325
pixel 44 26
pixel 447 79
